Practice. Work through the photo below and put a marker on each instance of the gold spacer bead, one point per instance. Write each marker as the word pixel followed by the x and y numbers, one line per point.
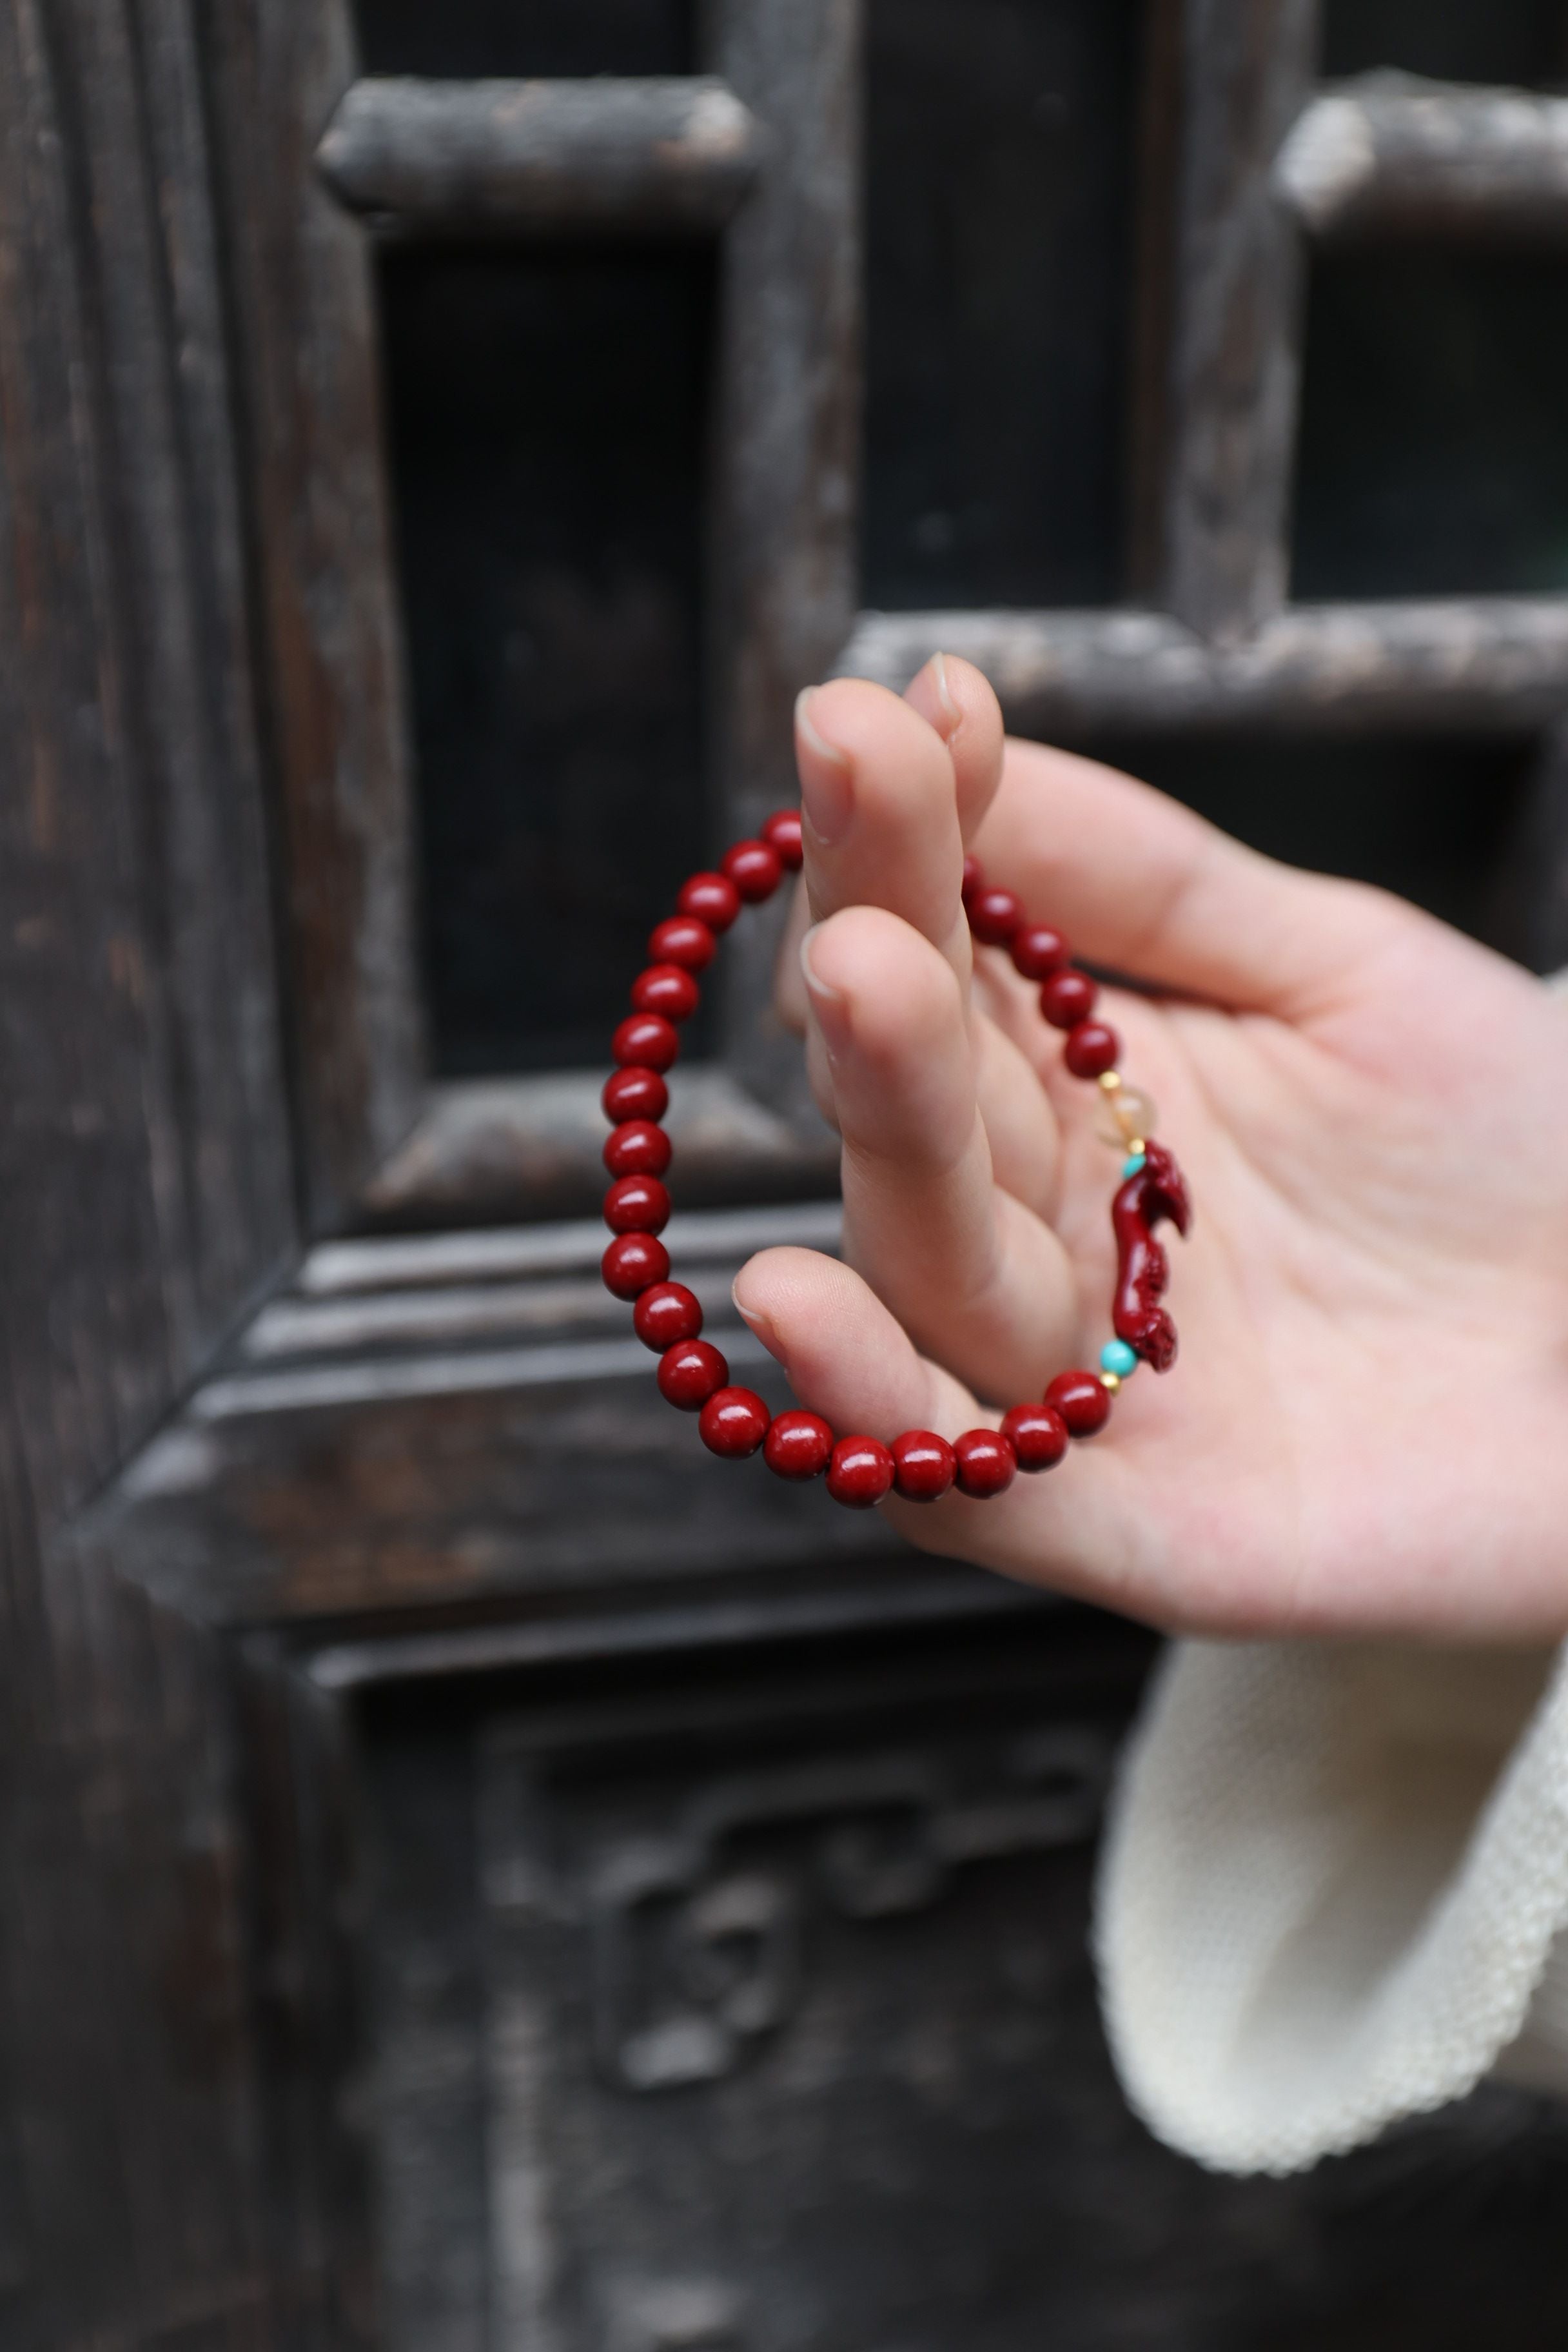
pixel 1111 1382
pixel 1136 1145
pixel 1109 1080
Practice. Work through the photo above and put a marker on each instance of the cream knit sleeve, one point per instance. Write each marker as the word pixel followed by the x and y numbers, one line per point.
pixel 1335 1892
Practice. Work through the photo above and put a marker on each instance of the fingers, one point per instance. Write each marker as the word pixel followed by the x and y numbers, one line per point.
pixel 976 1280
pixel 957 700
pixel 875 777
pixel 879 813
pixel 1083 1527
pixel 1140 883
pixel 846 1355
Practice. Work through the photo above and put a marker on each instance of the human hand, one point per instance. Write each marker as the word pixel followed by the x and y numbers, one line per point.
pixel 1367 1429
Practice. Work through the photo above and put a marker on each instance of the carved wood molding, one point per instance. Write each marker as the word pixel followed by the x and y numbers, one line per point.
pixel 1484 664
pixel 648 157
pixel 1395 156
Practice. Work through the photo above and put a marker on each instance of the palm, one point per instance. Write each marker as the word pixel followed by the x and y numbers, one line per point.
pixel 1373 1303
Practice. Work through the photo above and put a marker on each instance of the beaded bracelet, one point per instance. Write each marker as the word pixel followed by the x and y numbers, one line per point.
pixel 667 1317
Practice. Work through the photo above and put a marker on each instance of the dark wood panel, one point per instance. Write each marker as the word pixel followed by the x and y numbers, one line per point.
pixel 464 37
pixel 1520 41
pixel 1432 459
pixel 145 1151
pixel 747 2004
pixel 331 656
pixel 1000 174
pixel 549 502
pixel 656 157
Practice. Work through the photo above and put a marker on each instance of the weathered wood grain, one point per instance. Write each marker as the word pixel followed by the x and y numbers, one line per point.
pixel 487 1150
pixel 1390 156
pixel 1488 666
pixel 145 1163
pixel 787 449
pixel 649 158
pixel 330 653
pixel 402 1433
pixel 1247 70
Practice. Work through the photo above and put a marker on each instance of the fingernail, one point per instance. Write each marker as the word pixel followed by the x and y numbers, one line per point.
pixel 827 1003
pixel 826 797
pixel 757 1322
pixel 952 717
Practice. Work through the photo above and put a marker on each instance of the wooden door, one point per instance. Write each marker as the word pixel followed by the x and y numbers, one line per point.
pixel 476 1879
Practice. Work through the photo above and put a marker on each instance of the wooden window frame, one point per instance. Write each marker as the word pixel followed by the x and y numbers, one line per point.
pixel 223 1524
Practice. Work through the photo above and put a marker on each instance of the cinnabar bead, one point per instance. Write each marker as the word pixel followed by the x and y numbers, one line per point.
pixel 1037 950
pixel 734 1423
pixel 924 1465
pixel 994 915
pixel 647 1039
pixel 637 1149
pixel 1068 998
pixel 711 899
pixel 637 1204
pixel 632 1264
pixel 635 1093
pixel 781 834
pixel 1036 1434
pixel 986 1463
pixel 1082 1400
pixel 682 940
pixel 1092 1049
pixel 666 987
pixel 860 1471
pixel 974 880
pixel 799 1445
pixel 754 869
pixel 665 1315
pixel 689 1373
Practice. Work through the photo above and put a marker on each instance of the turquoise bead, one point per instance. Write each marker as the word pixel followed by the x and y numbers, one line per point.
pixel 1133 1163
pixel 1117 1357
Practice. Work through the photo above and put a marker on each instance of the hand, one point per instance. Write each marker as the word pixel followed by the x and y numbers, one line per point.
pixel 1367 1428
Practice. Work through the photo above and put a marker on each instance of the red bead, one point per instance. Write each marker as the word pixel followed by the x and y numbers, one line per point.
pixel 632 1264
pixel 1037 950
pixel 924 1465
pixel 781 834
pixel 754 869
pixel 638 1149
pixel 682 940
pixel 1082 1400
pixel 635 1094
pixel 691 1372
pixel 646 1038
pixel 711 899
pixel 1092 1049
pixel 1068 998
pixel 669 989
pixel 799 1445
pixel 1036 1434
pixel 665 1315
pixel 986 1463
pixel 974 880
pixel 637 1204
pixel 734 1423
pixel 860 1471
pixel 994 915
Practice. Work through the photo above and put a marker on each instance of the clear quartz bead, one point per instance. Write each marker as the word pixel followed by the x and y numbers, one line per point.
pixel 1125 1117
